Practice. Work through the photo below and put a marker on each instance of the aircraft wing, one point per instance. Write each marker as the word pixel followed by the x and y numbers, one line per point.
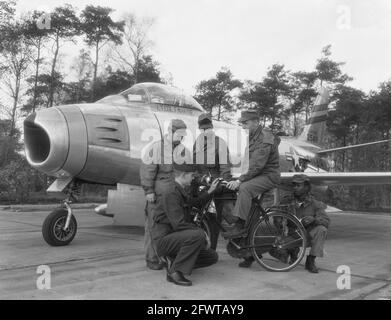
pixel 351 147
pixel 345 178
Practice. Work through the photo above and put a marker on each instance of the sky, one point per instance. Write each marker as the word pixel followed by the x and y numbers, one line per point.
pixel 193 39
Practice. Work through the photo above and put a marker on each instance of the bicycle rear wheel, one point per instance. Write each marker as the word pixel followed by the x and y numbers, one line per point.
pixel 278 241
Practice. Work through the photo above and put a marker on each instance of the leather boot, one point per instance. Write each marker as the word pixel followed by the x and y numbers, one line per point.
pixel 155 265
pixel 246 263
pixel 178 278
pixel 237 231
pixel 310 264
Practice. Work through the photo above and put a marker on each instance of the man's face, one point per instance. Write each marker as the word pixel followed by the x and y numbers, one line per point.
pixel 178 136
pixel 299 189
pixel 187 178
pixel 250 125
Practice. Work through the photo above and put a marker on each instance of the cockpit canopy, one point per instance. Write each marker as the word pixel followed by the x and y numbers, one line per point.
pixel 151 93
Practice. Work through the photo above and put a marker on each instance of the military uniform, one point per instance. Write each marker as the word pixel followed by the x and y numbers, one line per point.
pixel 157 176
pixel 316 231
pixel 263 171
pixel 174 234
pixel 212 155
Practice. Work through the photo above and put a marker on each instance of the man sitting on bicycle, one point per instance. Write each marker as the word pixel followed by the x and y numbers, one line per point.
pixel 263 171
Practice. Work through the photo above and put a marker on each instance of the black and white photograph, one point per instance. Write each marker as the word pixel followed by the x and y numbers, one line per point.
pixel 193 151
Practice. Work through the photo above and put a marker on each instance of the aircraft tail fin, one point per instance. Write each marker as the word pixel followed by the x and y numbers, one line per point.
pixel 315 129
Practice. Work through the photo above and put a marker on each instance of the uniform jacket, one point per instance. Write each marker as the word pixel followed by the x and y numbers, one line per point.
pixel 263 156
pixel 156 170
pixel 312 207
pixel 212 151
pixel 173 211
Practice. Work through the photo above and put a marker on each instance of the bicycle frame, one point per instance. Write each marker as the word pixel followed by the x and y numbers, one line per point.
pixel 256 207
pixel 257 212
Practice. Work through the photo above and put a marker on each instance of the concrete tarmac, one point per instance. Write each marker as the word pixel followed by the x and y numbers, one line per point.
pixel 107 262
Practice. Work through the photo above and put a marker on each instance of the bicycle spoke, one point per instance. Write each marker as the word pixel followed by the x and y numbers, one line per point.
pixel 264 236
pixel 278 241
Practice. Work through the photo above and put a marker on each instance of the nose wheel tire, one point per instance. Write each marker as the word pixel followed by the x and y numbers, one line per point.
pixel 53 228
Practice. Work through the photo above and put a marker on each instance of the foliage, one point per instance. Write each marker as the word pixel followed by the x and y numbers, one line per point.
pixel 99 29
pixel 214 93
pixel 330 71
pixel 266 96
pixel 15 179
pixel 135 40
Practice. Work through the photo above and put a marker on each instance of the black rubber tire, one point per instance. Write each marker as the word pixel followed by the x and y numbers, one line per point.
pixel 54 219
pixel 212 230
pixel 294 221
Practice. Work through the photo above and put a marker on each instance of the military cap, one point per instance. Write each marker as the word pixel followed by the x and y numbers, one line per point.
pixel 185 167
pixel 300 178
pixel 177 124
pixel 248 115
pixel 205 121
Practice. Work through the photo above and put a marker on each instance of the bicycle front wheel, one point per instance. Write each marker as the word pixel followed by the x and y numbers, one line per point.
pixel 278 241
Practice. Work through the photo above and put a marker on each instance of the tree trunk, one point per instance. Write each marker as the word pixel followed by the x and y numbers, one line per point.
pixel 294 124
pixel 51 90
pixel 36 74
pixel 136 66
pixel 15 105
pixel 13 118
pixel 307 111
pixel 95 70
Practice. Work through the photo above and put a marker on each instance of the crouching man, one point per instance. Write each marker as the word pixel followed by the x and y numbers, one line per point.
pixel 174 235
pixel 313 217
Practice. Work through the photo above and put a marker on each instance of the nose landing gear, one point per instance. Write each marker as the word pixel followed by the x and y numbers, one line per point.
pixel 60 226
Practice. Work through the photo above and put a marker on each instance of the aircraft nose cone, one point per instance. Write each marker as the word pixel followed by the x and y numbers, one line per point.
pixel 46 140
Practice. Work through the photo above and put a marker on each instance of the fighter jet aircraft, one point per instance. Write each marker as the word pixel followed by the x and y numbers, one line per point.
pixel 103 143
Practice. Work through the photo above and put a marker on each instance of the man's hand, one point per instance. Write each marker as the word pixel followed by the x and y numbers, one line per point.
pixel 213 186
pixel 307 220
pixel 233 185
pixel 151 197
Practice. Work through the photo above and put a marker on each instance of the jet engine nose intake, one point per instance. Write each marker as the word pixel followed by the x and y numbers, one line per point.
pixel 36 140
pixel 46 139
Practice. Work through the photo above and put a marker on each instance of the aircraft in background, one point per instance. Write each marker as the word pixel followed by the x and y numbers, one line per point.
pixel 102 143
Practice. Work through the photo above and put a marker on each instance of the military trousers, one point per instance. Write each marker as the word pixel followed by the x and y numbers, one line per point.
pixel 317 237
pixel 187 250
pixel 150 250
pixel 248 190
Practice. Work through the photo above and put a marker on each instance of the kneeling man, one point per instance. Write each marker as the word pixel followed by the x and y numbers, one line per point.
pixel 313 217
pixel 174 234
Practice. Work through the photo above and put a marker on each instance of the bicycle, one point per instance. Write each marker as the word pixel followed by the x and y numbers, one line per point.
pixel 274 237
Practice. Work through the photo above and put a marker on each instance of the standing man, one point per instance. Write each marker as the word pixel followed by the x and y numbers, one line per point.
pixel 313 217
pixel 211 154
pixel 263 171
pixel 157 176
pixel 175 236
